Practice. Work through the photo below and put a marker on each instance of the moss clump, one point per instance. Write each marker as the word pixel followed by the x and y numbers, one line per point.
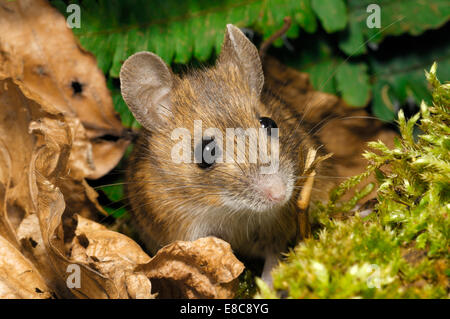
pixel 401 249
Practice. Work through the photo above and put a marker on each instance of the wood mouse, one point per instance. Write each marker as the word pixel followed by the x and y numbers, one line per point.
pixel 232 200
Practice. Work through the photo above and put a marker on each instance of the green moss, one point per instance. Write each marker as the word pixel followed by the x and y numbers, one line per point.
pixel 401 249
pixel 247 286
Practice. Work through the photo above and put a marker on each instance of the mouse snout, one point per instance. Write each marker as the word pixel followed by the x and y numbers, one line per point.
pixel 272 187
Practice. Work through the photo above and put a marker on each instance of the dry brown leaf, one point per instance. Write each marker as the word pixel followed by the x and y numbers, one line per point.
pixel 58 135
pixel 46 59
pixel 21 120
pixel 106 259
pixel 48 164
pixel 42 144
pixel 15 153
pixel 113 255
pixel 205 268
pixel 18 277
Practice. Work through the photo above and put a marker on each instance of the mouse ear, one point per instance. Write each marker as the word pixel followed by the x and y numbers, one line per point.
pixel 146 84
pixel 237 49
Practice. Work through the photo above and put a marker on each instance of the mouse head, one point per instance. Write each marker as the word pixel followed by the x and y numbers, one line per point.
pixel 150 89
pixel 225 97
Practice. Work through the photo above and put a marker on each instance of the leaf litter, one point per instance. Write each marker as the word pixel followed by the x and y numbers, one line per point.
pixel 51 140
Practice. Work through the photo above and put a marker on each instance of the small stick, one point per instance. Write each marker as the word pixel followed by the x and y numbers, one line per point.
pixel 266 44
pixel 304 197
pixel 305 194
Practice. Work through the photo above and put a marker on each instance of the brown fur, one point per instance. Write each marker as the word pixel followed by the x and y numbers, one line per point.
pixel 229 200
pixel 169 199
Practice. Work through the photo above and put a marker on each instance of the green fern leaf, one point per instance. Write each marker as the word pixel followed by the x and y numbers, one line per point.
pixel 179 31
pixel 397 17
pixel 332 14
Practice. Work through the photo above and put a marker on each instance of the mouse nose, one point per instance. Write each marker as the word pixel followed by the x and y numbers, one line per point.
pixel 273 187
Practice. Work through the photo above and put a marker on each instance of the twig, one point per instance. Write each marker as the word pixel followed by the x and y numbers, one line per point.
pixel 305 194
pixel 266 44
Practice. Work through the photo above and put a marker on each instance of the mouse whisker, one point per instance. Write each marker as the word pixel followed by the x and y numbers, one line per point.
pixel 324 177
pixel 313 188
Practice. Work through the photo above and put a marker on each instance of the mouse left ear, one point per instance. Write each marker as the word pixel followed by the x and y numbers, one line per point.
pixel 146 84
pixel 237 49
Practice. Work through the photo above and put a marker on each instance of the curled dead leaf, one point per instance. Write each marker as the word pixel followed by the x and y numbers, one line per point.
pixel 24 125
pixel 15 154
pixel 205 268
pixel 113 255
pixel 49 205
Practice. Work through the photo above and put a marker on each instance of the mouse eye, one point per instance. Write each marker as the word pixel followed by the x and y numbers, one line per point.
pixel 268 123
pixel 206 153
